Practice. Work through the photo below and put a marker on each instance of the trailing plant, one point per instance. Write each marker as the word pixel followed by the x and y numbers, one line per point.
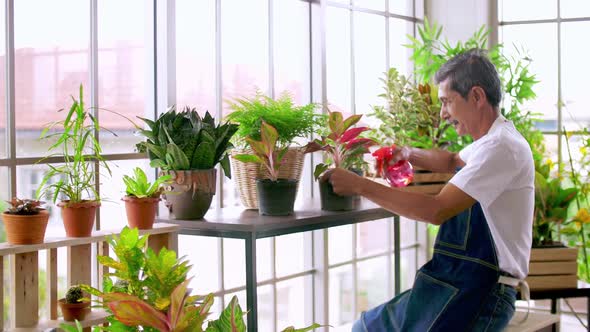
pixel 289 120
pixel 80 150
pixel 24 206
pixel 185 141
pixel 342 145
pixel 74 295
pixel 265 151
pixel 139 186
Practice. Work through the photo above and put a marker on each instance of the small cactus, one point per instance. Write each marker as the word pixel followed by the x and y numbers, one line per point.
pixel 24 206
pixel 74 295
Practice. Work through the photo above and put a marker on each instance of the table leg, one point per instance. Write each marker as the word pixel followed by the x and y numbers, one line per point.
pixel 397 254
pixel 251 289
pixel 554 311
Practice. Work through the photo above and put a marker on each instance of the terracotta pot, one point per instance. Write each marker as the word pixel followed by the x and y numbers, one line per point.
pixel 78 218
pixel 73 311
pixel 25 229
pixel 141 212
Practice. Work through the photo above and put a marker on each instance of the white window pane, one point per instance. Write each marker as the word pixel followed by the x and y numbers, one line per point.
pixel 125 40
pixel 370 4
pixel 372 237
pixel 290 254
pixel 112 190
pixel 291 49
pixel 234 263
pixel 369 59
pixel 205 266
pixel 263 259
pixel 372 283
pixel 574 8
pixel 341 295
pixel 407 268
pixel 399 55
pixel 338 63
pixel 402 7
pixel 540 41
pixel 527 10
pixel 292 304
pixel 51 61
pixel 339 244
pixel 195 54
pixel 574 76
pixel 265 308
pixel 407 231
pixel 244 47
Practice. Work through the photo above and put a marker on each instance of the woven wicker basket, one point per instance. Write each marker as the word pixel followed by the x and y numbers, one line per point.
pixel 245 174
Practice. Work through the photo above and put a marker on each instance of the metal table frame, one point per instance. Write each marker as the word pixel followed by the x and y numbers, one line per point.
pixel 237 223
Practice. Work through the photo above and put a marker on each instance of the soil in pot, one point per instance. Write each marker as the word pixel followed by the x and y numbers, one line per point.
pixel 276 198
pixel 334 202
pixel 73 311
pixel 141 212
pixel 25 229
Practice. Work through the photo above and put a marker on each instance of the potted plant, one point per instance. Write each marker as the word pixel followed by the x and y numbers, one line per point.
pixel 141 201
pixel 25 221
pixel 290 121
pixel 276 195
pixel 76 184
pixel 188 147
pixel 343 148
pixel 75 305
pixel 152 292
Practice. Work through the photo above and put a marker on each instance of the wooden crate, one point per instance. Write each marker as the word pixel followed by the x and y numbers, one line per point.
pixel 553 268
pixel 425 182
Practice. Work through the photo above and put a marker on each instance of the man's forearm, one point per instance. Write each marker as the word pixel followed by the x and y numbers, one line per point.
pixel 433 160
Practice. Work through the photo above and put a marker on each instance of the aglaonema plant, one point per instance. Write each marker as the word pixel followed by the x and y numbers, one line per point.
pixel 265 151
pixel 342 145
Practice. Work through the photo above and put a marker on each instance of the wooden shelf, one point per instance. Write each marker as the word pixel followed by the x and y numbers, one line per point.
pixel 94 318
pixel 97 236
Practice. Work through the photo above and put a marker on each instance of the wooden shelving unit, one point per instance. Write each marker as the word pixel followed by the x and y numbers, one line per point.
pixel 24 271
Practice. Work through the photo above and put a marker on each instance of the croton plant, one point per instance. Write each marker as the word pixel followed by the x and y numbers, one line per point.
pixel 342 145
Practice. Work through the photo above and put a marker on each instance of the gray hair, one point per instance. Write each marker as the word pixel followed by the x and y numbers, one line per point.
pixel 469 69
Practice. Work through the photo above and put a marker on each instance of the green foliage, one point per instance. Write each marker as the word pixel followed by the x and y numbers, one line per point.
pixel 80 150
pixel 185 141
pixel 342 144
pixel 140 187
pixel 231 319
pixel 289 120
pixel 70 328
pixel 429 53
pixel 74 294
pixel 551 205
pixel 25 207
pixel 265 151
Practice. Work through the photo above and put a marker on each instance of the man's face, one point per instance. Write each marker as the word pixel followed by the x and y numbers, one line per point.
pixel 455 110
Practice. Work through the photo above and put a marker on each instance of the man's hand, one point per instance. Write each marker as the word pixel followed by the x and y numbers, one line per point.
pixel 344 183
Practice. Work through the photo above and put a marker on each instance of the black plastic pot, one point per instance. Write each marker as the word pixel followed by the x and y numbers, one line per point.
pixel 276 198
pixel 334 202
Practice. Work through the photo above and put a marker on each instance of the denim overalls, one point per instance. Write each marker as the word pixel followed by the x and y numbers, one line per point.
pixel 457 290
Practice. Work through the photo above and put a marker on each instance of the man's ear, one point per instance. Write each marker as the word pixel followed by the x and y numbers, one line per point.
pixel 479 95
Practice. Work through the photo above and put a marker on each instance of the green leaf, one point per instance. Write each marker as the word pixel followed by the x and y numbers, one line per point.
pixel 225 165
pixel 231 319
pixel 204 157
pixel 138 313
pixel 248 158
pixel 175 158
pixel 319 170
pixel 305 329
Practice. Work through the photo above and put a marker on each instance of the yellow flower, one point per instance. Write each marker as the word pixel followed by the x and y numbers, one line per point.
pixel 583 216
pixel 549 162
pixel 569 134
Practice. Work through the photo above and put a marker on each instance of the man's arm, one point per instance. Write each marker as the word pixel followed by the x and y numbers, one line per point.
pixel 428 208
pixel 433 160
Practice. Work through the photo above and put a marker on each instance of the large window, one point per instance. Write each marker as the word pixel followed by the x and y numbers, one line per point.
pixel 133 55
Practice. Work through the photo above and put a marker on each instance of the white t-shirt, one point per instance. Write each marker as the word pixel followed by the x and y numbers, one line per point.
pixel 499 173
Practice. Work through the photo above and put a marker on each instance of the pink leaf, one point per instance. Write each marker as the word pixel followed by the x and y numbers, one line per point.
pixel 360 141
pixel 139 313
pixel 352 133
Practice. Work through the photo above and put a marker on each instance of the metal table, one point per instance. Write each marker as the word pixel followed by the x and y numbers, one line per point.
pixel 235 222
